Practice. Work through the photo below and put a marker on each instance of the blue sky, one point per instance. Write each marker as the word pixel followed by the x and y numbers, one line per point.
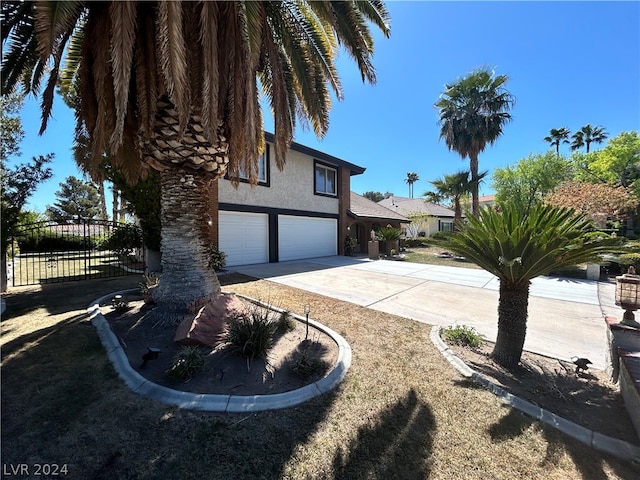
pixel 569 64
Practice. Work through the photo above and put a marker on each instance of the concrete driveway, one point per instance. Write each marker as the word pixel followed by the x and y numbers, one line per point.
pixel 565 315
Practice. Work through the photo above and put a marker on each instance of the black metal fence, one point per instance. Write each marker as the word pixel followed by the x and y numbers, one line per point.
pixel 48 252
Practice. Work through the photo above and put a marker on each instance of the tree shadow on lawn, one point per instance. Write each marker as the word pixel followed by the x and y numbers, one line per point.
pixel 515 423
pixel 59 298
pixel 398 445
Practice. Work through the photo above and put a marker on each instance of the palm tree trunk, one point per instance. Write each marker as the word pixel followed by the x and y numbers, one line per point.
pixel 114 205
pixel 473 167
pixel 103 201
pixel 512 323
pixel 187 282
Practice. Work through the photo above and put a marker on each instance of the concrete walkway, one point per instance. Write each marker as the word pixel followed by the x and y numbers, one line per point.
pixel 565 315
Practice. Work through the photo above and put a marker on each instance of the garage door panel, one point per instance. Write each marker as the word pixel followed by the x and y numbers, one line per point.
pixel 306 237
pixel 244 237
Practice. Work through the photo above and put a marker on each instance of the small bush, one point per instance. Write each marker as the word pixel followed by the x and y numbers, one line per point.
pixel 286 323
pixel 440 235
pixel 123 240
pixel 305 364
pixel 186 363
pixel 149 280
pixel 414 242
pixel 629 259
pixel 462 335
pixel 217 259
pixel 250 335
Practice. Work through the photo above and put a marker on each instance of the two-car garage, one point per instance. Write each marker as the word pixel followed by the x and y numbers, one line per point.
pixel 244 237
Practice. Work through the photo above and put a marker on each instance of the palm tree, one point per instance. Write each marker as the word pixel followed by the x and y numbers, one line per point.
pixel 433 197
pixel 412 177
pixel 556 137
pixel 473 112
pixel 173 86
pixel 588 135
pixel 517 247
pixel 454 187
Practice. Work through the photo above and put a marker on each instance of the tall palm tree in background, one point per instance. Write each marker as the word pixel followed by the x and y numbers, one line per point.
pixel 588 135
pixel 516 247
pixel 556 137
pixel 473 112
pixel 454 187
pixel 173 86
pixel 412 177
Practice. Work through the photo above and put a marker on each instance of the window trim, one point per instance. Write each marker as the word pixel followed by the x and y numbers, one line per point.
pixel 267 170
pixel 326 166
pixel 446 222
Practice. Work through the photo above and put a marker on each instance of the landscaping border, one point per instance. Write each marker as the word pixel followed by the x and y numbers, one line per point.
pixel 213 402
pixel 613 446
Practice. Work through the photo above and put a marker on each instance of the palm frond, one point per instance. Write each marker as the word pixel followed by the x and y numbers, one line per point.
pixel 123 21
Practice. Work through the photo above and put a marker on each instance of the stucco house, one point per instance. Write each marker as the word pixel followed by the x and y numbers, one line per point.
pixel 366 216
pixel 303 211
pixel 427 218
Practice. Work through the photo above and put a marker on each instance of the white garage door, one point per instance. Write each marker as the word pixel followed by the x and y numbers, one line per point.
pixel 244 237
pixel 306 237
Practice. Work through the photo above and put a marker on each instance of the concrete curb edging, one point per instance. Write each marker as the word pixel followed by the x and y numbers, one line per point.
pixel 613 446
pixel 211 402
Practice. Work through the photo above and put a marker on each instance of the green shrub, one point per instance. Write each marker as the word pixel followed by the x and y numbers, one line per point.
pixel 149 280
pixel 304 363
pixel 596 235
pixel 124 239
pixel 186 363
pixel 629 259
pixel 415 242
pixel 217 259
pixel 440 235
pixel 286 322
pixel 250 335
pixel 462 335
pixel 48 241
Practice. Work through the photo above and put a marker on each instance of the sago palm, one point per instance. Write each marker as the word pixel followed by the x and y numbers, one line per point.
pixel 473 112
pixel 516 248
pixel 174 86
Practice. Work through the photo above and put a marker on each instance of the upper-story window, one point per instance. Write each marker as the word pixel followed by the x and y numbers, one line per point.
pixel 263 170
pixel 325 180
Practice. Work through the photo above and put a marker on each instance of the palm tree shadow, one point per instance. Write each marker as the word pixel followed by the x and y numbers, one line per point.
pixel 514 424
pixel 387 449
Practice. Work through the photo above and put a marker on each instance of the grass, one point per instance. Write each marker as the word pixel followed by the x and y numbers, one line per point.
pixel 402 411
pixel 31 269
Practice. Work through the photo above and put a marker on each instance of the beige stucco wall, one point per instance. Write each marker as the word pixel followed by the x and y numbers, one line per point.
pixel 291 189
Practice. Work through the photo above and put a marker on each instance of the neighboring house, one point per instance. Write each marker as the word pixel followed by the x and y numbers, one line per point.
pixel 486 200
pixel 299 212
pixel 427 218
pixel 366 215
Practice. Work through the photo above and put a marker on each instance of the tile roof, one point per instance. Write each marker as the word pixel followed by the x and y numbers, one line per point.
pixel 409 206
pixel 364 208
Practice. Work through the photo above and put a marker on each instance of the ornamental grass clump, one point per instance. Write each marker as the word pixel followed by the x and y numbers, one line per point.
pixel 187 362
pixel 251 334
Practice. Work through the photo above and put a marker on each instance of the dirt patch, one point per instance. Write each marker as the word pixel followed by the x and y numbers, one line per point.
pixel 587 398
pixel 292 361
